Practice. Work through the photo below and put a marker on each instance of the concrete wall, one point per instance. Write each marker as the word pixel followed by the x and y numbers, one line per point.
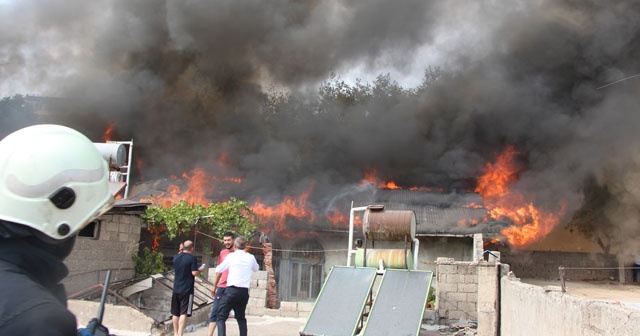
pixel 502 305
pixel 531 310
pixel 432 248
pixel 116 242
pixel 456 290
pixel 469 291
pixel 116 318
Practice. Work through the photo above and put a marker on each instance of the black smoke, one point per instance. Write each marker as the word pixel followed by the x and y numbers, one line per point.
pixel 190 80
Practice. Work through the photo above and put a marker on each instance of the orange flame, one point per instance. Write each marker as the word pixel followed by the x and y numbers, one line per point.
pixel 108 133
pixel 197 187
pixel 339 220
pixel 530 222
pixel 371 177
pixel 290 207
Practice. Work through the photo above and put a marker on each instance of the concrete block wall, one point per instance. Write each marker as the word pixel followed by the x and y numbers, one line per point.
pixel 117 241
pixel 456 290
pixel 488 294
pixel 531 310
pixel 257 305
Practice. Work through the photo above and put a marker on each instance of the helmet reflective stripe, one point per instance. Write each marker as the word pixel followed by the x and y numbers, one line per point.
pixel 52 179
pixel 44 188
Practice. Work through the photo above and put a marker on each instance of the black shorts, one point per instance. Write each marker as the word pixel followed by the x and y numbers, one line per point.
pixel 181 304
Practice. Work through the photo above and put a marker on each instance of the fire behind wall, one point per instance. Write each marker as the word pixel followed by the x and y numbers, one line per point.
pixel 233 88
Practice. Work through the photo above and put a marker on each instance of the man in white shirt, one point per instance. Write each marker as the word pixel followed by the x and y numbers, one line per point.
pixel 241 266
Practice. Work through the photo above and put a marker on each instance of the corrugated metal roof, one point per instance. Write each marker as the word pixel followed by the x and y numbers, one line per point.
pixel 456 212
pixel 436 213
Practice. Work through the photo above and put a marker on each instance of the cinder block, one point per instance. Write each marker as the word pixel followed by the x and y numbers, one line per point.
pixel 468 269
pixel 271 312
pixel 453 278
pixel 289 305
pixel 444 305
pixel 259 275
pixel 262 283
pixel 457 315
pixel 304 314
pixel 258 293
pixel 470 279
pixel 256 302
pixel 305 306
pixel 467 288
pixel 472 297
pixel 109 227
pixel 256 311
pixel 447 287
pixel 467 306
pixel 289 313
pixel 447 269
pixel 456 297
pixel 444 260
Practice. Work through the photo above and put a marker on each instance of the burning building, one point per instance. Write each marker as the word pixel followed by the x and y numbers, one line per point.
pixel 245 91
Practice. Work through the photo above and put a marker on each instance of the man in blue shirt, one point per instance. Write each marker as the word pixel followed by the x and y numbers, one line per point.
pixel 241 266
pixel 185 266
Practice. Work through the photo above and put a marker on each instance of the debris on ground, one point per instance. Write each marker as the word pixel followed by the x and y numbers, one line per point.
pixel 461 328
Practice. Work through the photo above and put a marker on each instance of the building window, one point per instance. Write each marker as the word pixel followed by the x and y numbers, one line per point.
pixel 306 270
pixel 92 230
pixel 307 281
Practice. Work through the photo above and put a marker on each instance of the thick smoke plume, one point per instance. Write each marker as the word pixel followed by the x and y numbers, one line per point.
pixel 191 80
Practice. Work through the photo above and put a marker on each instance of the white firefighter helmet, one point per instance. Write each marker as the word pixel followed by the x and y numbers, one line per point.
pixel 52 179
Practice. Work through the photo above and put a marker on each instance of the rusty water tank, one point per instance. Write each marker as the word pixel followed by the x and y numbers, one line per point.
pixel 391 258
pixel 389 225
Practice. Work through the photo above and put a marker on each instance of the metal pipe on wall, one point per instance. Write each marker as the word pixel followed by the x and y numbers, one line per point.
pixel 350 250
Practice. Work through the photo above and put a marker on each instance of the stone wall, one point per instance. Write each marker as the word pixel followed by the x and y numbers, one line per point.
pixel 533 310
pixel 111 249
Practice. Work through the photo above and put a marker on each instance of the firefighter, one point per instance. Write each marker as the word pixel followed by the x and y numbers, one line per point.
pixel 53 182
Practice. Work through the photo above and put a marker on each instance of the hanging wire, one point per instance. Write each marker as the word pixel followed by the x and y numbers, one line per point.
pixel 279 250
pixel 618 81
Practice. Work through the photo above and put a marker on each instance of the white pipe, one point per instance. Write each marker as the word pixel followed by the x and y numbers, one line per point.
pixel 351 216
pixel 129 163
pixel 415 252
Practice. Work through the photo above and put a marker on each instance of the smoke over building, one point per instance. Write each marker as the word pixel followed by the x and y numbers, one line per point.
pixel 195 83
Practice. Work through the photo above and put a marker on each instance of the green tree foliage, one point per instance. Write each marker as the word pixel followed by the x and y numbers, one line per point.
pixel 213 219
pixel 149 262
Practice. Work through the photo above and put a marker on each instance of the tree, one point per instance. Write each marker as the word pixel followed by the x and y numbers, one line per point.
pixel 150 262
pixel 591 220
pixel 213 219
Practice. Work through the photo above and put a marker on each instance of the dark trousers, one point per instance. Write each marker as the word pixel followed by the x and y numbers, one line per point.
pixel 213 317
pixel 636 269
pixel 235 298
